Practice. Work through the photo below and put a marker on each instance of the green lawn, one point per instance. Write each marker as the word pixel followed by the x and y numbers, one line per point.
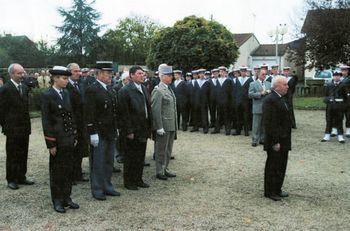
pixel 309 103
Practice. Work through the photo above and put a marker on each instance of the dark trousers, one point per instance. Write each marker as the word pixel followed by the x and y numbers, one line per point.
pixel 223 118
pixel 204 117
pixel 291 111
pixel 182 116
pixel 16 157
pixel 61 174
pixel 133 161
pixel 275 170
pixel 334 118
pixel 80 151
pixel 213 111
pixel 347 116
pixel 243 117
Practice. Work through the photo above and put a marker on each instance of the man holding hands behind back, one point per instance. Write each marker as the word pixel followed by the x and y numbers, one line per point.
pixel 164 121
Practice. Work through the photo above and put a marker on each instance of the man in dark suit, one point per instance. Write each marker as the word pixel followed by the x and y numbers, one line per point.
pixel 201 101
pixel 76 93
pixel 277 144
pixel 212 97
pixel 101 119
pixel 59 127
pixel 194 109
pixel 15 123
pixel 135 122
pixel 179 87
pixel 292 83
pixel 243 103
pixel 223 101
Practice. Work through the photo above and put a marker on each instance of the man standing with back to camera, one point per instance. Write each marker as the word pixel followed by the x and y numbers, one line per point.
pixel 278 125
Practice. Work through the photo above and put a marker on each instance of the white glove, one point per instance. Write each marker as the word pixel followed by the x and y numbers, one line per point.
pixel 161 131
pixel 94 140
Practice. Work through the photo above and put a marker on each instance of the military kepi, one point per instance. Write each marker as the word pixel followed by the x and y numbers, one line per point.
pixel 104 65
pixel 165 69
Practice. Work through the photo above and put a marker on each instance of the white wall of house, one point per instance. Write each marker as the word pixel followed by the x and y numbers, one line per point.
pixel 245 50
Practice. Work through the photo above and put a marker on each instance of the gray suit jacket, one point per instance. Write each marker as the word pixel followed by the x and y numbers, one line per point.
pixel 164 108
pixel 254 93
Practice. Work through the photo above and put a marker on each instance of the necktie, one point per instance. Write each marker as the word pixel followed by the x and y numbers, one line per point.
pixel 61 94
pixel 76 86
pixel 20 90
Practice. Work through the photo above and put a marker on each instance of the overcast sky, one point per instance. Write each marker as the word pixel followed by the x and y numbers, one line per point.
pixel 37 18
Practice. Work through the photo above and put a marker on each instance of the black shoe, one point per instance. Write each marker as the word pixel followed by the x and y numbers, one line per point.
pixel 261 142
pixel 116 170
pixel 246 133
pixel 161 177
pixel 146 164
pixel 154 156
pixel 143 185
pixel 236 133
pixel 273 197
pixel 26 182
pixel 184 129
pixel 58 207
pixel 347 136
pixel 71 205
pixel 254 144
pixel 131 187
pixel 194 130
pixel 205 131
pixel 227 133
pixel 12 185
pixel 342 141
pixel 100 197
pixel 74 182
pixel 172 158
pixel 215 132
pixel 284 194
pixel 169 174
pixel 113 193
pixel 333 135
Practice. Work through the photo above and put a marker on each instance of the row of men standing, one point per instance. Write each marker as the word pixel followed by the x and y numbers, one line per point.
pixel 229 100
pixel 79 118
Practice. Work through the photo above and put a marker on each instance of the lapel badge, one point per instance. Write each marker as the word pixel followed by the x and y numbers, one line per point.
pixel 59 106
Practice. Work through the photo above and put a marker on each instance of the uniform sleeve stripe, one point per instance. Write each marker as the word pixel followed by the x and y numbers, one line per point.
pixel 50 138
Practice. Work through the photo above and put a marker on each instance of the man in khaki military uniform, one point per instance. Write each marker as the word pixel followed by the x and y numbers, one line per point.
pixel 164 121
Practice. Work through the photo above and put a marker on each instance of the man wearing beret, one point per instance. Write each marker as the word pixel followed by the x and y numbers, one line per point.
pixel 101 118
pixel 60 134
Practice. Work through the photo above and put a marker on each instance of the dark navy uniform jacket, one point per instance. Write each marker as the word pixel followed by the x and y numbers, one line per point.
pixel 58 119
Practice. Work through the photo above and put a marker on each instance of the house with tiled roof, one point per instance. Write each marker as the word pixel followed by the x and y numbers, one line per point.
pixel 247 43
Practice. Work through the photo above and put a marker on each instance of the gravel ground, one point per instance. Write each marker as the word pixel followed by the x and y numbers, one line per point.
pixel 219 187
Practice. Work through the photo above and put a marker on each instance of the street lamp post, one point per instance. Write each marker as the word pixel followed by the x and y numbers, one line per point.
pixel 280 31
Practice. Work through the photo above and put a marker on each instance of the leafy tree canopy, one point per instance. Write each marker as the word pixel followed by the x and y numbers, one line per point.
pixel 193 43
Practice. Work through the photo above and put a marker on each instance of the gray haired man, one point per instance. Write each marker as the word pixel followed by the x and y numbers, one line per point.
pixel 257 91
pixel 164 121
